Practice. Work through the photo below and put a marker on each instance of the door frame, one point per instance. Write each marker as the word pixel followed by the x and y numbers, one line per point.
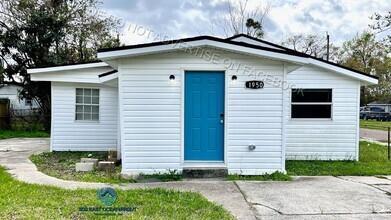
pixel 182 127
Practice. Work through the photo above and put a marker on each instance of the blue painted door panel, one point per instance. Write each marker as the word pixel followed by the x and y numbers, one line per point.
pixel 204 110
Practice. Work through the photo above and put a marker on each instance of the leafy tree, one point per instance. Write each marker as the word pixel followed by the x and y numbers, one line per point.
pixel 254 28
pixel 368 55
pixel 38 33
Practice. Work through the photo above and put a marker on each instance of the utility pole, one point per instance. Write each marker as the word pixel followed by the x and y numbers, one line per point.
pixel 328 45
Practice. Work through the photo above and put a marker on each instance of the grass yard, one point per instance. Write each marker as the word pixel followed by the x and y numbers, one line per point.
pixel 62 165
pixel 23 134
pixel 30 201
pixel 276 176
pixel 376 125
pixel 373 161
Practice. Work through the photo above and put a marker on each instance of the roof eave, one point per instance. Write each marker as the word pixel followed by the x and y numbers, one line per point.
pixel 364 79
pixel 67 67
pixel 109 77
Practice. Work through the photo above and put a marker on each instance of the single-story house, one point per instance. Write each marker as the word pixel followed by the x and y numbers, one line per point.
pixel 240 104
pixel 384 104
pixel 11 92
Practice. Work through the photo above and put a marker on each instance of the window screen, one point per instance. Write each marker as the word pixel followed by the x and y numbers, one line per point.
pixel 311 103
pixel 87 104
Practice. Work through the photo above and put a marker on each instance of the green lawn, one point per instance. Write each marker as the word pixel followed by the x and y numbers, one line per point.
pixel 373 161
pixel 30 201
pixel 373 124
pixel 62 165
pixel 276 176
pixel 5 134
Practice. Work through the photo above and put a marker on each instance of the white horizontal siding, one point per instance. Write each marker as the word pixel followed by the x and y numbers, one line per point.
pixel 151 120
pixel 334 139
pixel 255 118
pixel 152 111
pixel 70 135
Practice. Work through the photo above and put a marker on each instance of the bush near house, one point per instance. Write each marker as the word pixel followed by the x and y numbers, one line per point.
pixel 31 201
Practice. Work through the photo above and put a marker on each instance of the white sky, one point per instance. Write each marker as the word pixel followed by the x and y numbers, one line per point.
pixel 342 19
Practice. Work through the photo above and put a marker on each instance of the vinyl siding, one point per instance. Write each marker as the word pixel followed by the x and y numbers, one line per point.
pixel 335 139
pixel 70 135
pixel 255 118
pixel 152 114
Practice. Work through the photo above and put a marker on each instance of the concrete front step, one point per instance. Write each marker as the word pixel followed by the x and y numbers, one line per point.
pixel 205 172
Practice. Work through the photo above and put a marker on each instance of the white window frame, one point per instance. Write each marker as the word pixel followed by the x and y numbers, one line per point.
pixel 87 104
pixel 314 103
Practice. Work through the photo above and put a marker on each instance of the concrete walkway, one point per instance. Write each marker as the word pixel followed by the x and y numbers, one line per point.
pixel 302 198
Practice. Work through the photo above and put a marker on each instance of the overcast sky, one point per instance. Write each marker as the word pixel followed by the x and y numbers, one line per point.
pixel 185 18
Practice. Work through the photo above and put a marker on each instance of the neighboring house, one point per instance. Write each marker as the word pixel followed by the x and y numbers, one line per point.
pixel 11 92
pixel 185 104
pixel 384 104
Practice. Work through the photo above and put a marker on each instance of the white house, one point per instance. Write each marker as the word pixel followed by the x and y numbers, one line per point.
pixel 383 104
pixel 239 104
pixel 11 92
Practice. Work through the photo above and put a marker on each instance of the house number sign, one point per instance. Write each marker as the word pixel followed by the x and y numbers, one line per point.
pixel 255 84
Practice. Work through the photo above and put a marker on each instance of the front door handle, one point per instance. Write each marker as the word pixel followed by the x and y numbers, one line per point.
pixel 221 121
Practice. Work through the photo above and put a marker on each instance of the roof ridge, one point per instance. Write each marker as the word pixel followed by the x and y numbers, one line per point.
pixel 259 40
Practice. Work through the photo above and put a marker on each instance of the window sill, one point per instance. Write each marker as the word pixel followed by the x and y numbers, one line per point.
pixel 88 122
pixel 311 119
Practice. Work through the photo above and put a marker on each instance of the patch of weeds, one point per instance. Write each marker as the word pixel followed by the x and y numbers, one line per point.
pixel 62 165
pixel 172 175
pixel 276 176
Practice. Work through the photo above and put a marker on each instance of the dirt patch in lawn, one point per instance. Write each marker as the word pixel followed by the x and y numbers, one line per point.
pixel 62 165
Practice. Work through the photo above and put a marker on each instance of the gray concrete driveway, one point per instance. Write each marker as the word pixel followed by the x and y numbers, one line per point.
pixel 302 198
pixel 314 197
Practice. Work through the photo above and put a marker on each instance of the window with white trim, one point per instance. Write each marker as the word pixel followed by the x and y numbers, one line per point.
pixel 311 103
pixel 87 104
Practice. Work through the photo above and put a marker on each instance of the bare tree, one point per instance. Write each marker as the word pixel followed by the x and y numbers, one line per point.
pixel 240 18
pixel 314 45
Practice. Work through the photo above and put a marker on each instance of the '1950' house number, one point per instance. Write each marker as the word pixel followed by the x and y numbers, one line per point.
pixel 254 84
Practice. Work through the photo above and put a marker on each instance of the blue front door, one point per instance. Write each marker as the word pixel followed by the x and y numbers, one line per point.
pixel 204 116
